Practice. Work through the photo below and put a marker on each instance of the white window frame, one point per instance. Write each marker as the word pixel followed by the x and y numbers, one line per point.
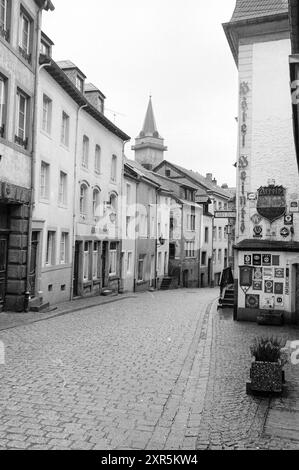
pixel 44 180
pixel 21 132
pixel 97 158
pixel 65 129
pixel 95 201
pixel 3 100
pixel 79 83
pixel 62 196
pixel 113 261
pixel 25 46
pixel 3 15
pixel 51 248
pixel 114 168
pixel 47 114
pixel 95 260
pixel 86 263
pixel 85 151
pixel 63 255
pixel 130 262
pixel 83 200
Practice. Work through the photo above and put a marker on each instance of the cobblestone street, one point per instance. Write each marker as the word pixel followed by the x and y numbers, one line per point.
pixel 159 371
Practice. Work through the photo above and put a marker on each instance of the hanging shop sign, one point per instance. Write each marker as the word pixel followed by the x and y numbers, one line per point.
pixel 288 219
pixel 285 232
pixel 271 202
pixel 252 301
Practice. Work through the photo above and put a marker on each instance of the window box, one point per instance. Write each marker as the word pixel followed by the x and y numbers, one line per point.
pixel 21 142
pixel 4 33
pixel 27 56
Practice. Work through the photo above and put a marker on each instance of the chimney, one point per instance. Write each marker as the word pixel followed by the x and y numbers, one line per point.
pixel 215 181
pixel 209 177
pixel 147 166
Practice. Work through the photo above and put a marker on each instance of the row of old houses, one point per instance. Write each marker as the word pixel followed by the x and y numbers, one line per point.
pixel 78 218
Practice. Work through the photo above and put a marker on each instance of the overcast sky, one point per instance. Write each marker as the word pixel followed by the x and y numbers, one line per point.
pixel 175 50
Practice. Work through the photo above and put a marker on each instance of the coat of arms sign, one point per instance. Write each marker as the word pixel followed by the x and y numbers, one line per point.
pixel 271 202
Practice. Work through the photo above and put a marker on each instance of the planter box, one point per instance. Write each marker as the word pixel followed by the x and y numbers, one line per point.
pixel 266 377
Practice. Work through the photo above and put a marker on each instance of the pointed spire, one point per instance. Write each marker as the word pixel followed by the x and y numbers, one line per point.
pixel 149 126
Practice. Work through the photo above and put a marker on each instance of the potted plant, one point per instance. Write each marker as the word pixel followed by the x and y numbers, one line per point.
pixel 268 359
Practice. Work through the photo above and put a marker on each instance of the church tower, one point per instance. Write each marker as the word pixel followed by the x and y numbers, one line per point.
pixel 149 145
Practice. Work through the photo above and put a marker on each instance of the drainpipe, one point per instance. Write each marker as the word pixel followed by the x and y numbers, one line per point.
pixel 120 218
pixel 33 153
pixel 75 200
pixel 135 236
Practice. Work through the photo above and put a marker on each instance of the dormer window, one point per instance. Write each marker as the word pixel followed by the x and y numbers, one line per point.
pixel 101 105
pixel 45 49
pixel 79 83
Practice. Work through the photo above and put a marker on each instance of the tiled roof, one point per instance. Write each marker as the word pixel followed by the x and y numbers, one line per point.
pixel 204 181
pixel 63 80
pixel 249 9
pixel 67 64
pixel 89 87
pixel 143 172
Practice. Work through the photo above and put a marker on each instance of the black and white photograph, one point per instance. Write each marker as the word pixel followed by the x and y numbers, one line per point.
pixel 149 229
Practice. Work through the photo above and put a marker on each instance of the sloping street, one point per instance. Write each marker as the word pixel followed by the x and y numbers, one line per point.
pixel 159 371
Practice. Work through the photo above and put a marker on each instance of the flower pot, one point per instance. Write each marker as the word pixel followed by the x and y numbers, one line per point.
pixel 266 377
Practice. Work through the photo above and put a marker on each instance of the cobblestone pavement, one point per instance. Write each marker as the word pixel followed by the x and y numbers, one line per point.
pixel 131 374
pixel 231 419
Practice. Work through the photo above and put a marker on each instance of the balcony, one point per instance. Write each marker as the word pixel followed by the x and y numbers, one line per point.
pixel 2 131
pixel 4 33
pixel 21 142
pixel 25 54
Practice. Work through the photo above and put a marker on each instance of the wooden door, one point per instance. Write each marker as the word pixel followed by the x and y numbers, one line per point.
pixel 76 270
pixel 105 265
pixel 33 263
